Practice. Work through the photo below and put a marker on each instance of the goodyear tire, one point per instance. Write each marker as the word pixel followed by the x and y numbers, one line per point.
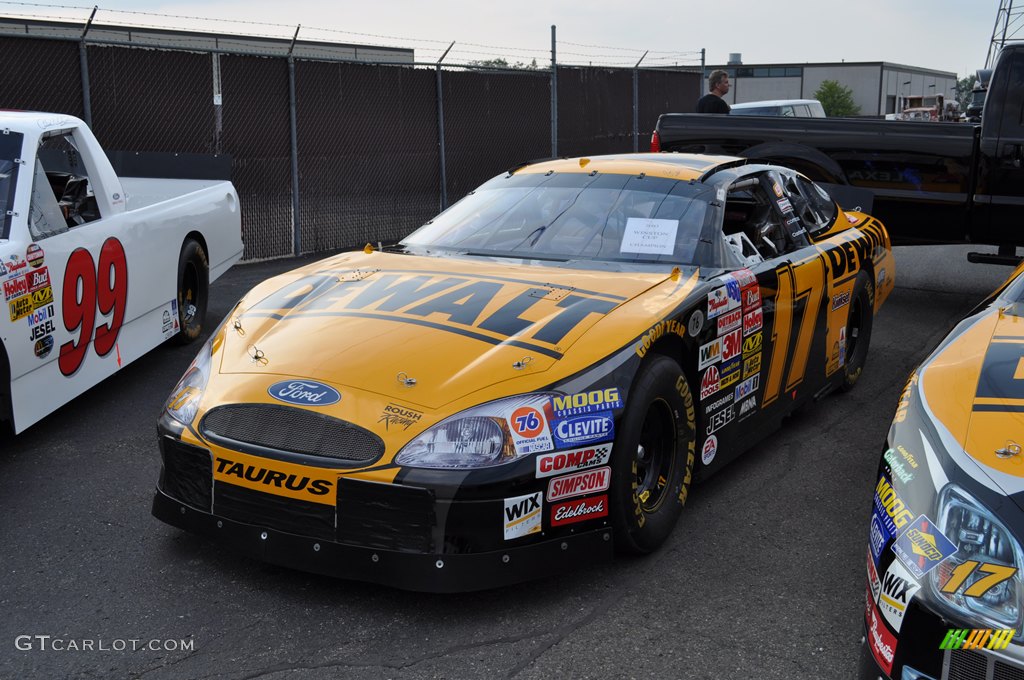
pixel 193 291
pixel 858 329
pixel 653 457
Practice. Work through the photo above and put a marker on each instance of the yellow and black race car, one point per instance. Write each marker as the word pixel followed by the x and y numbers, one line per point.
pixel 527 382
pixel 945 562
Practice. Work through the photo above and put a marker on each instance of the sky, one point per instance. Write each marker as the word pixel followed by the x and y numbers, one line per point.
pixel 948 35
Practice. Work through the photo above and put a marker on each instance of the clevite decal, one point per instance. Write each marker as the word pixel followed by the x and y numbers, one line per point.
pixel 585 429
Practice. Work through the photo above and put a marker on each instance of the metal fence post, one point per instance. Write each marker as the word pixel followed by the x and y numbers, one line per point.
pixel 440 132
pixel 703 76
pixel 293 115
pixel 636 103
pixel 83 61
pixel 554 97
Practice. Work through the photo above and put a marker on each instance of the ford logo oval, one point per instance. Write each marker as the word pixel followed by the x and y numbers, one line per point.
pixel 304 393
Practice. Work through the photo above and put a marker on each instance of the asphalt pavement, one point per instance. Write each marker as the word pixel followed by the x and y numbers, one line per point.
pixel 763 577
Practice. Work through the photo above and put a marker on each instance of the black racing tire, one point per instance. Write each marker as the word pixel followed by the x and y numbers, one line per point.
pixel 653 457
pixel 858 329
pixel 193 291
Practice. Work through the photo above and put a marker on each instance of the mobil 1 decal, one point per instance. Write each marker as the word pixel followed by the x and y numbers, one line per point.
pixel 493 310
pixel 792 326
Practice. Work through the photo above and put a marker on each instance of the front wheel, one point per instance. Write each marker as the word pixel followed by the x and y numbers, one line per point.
pixel 653 457
pixel 193 291
pixel 858 329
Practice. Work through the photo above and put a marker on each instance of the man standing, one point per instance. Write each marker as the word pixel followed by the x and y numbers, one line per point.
pixel 718 84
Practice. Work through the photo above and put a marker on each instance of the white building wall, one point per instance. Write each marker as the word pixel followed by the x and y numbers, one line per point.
pixel 862 80
pixel 897 81
pixel 758 89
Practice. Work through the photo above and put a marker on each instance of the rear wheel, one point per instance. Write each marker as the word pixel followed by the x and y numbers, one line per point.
pixel 858 329
pixel 193 291
pixel 653 457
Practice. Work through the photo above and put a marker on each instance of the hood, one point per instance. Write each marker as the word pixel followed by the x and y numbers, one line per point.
pixel 975 387
pixel 372 320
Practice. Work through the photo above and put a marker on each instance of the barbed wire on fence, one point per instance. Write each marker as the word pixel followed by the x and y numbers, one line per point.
pixel 425 49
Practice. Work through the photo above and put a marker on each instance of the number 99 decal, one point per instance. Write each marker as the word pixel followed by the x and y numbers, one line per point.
pixel 85 292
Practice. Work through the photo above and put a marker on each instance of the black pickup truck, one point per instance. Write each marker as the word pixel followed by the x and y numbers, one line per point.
pixel 931 182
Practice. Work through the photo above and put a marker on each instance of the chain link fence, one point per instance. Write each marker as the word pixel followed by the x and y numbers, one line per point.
pixel 377 149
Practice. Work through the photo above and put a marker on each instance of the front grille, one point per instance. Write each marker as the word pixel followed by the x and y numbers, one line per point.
pixel 291 430
pixel 289 515
pixel 187 473
pixel 966 664
pixel 385 516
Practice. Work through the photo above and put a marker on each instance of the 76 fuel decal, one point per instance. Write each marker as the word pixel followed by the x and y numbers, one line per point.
pixel 89 289
pixel 799 291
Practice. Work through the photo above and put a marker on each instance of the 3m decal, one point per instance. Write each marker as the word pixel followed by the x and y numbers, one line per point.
pixel 399 416
pixel 585 429
pixel 891 508
pixel 921 547
pixel 304 393
pixel 752 322
pixel 450 304
pixel 978 638
pixel 898 587
pixel 730 321
pixel 523 515
pixel 720 419
pixel 800 290
pixel 551 464
pixel 708 451
pixel 732 345
pixel 281 479
pixel 530 432
pixel 87 291
pixel 579 511
pixel 579 484
pixel 976 578
pixel 660 329
pixel 586 402
pixel 708 354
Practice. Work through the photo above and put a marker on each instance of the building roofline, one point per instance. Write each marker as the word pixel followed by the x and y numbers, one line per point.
pixel 819 64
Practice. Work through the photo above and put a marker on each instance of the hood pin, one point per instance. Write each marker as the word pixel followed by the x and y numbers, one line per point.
pixel 238 327
pixel 258 357
pixel 1011 449
pixel 522 363
pixel 404 378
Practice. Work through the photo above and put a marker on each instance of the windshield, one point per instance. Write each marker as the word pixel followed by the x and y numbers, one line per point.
pixel 759 111
pixel 574 216
pixel 10 151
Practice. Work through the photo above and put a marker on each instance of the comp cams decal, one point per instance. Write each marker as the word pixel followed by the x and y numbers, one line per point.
pixel 551 464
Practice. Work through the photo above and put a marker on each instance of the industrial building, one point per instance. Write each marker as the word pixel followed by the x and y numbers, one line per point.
pixel 877 86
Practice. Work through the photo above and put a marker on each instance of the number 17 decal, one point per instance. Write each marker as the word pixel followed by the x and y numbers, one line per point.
pixel 85 292
pixel 800 287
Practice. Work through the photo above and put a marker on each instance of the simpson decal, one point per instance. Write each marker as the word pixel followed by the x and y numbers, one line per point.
pixel 579 484
pixel 551 464
pixel 523 515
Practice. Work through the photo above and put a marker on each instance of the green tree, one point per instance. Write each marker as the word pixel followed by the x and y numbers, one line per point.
pixel 836 99
pixel 963 91
pixel 500 62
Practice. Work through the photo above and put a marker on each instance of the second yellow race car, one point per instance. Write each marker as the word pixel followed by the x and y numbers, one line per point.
pixel 528 382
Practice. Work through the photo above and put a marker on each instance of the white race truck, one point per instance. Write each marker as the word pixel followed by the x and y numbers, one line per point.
pixel 96 270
